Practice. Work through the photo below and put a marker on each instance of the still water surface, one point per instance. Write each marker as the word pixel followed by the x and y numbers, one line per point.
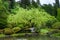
pixel 30 38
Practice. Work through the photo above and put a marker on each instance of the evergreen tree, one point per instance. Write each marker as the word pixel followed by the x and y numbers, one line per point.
pixel 38 2
pixel 12 3
pixel 25 3
pixel 57 3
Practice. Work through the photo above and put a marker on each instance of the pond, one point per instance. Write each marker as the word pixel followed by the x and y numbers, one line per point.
pixel 30 38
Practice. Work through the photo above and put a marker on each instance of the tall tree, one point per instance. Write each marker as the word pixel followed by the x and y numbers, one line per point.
pixel 25 3
pixel 38 2
pixel 57 3
pixel 32 1
pixel 12 3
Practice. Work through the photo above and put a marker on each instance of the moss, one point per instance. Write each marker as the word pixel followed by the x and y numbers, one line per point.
pixel 2 35
pixel 21 34
pixel 8 31
pixel 16 29
pixel 18 35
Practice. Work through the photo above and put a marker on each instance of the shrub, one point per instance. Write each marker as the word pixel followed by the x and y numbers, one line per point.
pixel 56 25
pixel 16 29
pixel 56 35
pixel 8 31
pixel 44 31
pixel 49 31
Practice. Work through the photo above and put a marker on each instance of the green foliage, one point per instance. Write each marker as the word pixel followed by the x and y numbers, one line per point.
pixel 44 31
pixel 6 4
pixel 56 25
pixel 8 31
pixel 2 35
pixel 33 17
pixel 3 14
pixel 50 9
pixel 15 35
pixel 16 29
pixel 23 19
pixel 58 14
pixel 56 35
pixel 25 3
pixel 18 35
pixel 49 31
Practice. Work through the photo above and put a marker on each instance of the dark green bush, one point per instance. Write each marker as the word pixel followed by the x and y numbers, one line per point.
pixel 3 14
pixel 56 25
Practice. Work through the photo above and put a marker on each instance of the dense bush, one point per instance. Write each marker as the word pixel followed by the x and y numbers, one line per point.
pixel 34 17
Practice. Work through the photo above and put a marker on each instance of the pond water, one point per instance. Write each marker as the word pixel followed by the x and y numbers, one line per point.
pixel 30 38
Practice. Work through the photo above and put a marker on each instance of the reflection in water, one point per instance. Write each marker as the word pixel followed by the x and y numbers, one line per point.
pixel 31 38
